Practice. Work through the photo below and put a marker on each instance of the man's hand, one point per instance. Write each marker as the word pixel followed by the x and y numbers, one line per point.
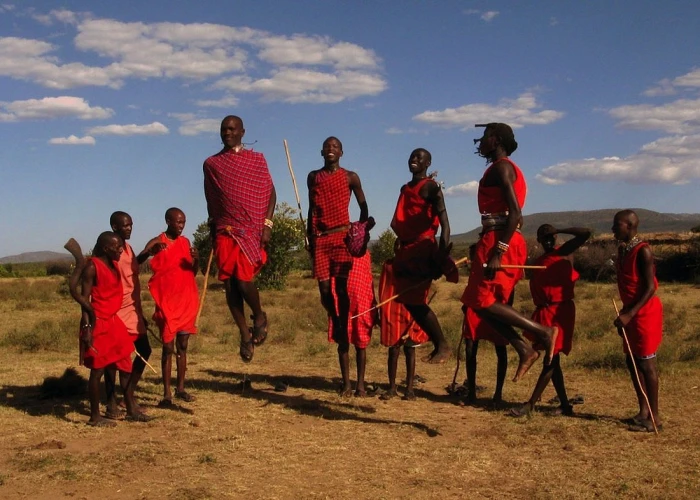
pixel 86 336
pixel 623 319
pixel 155 248
pixel 194 253
pixel 493 266
pixel 266 236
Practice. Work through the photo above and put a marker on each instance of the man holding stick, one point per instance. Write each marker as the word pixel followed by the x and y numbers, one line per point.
pixel 241 202
pixel 501 196
pixel 641 317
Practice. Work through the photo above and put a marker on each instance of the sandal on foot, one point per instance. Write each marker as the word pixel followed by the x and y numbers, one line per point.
pixel 166 403
pixel 522 411
pixel 388 395
pixel 102 423
pixel 360 394
pixel 644 426
pixel 247 349
pixel 260 331
pixel 185 396
pixel 409 396
pixel 138 417
pixel 115 415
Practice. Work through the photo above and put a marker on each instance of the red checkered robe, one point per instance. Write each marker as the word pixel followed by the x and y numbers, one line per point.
pixel 397 325
pixel 361 293
pixel 131 312
pixel 237 187
pixel 174 288
pixel 330 197
pixel 644 331
pixel 552 291
pixel 111 343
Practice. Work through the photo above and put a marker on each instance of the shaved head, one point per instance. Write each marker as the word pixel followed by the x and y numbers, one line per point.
pixel 173 212
pixel 232 117
pixel 117 217
pixel 629 216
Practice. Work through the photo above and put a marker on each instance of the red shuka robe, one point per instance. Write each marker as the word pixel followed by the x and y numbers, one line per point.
pixel 174 288
pixel 131 312
pixel 644 331
pixel 397 325
pixel 111 342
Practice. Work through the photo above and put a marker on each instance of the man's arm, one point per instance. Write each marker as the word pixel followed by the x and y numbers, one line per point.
pixel 580 236
pixel 356 188
pixel 310 184
pixel 645 269
pixel 434 195
pixel 87 280
pixel 152 247
pixel 271 204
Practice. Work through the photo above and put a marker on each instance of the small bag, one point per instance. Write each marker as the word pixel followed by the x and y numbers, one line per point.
pixel 357 237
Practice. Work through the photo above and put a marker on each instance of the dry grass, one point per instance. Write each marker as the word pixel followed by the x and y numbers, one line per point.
pixel 240 441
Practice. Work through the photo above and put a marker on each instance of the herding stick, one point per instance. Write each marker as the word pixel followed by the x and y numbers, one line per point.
pixel 636 373
pixel 517 266
pixel 204 289
pixel 296 192
pixel 147 363
pixel 393 297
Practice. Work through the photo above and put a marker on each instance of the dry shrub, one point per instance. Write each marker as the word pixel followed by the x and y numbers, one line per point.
pixel 23 289
pixel 689 353
pixel 44 335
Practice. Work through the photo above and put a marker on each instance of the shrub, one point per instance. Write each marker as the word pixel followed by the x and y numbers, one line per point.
pixel 383 249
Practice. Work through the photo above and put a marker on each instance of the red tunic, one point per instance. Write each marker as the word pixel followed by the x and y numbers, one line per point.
pixel 552 292
pixel 361 293
pixel 174 288
pixel 644 331
pixel 397 325
pixel 331 201
pixel 237 187
pixel 474 328
pixel 111 342
pixel 415 224
pixel 131 312
pixel 480 292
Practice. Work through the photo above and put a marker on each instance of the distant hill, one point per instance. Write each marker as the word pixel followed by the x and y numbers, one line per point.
pixel 598 220
pixel 44 256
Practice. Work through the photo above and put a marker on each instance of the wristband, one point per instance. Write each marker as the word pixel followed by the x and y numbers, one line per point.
pixel 268 223
pixel 502 247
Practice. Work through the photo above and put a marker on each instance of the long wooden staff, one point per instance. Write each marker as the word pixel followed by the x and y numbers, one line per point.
pixel 204 289
pixel 74 248
pixel 636 373
pixel 408 289
pixel 296 192
pixel 517 266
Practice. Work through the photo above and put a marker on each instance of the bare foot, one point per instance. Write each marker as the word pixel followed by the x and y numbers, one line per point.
pixel 390 394
pixel 551 346
pixel 101 422
pixel 409 396
pixel 360 393
pixel 438 356
pixel 526 362
pixel 522 411
pixel 345 392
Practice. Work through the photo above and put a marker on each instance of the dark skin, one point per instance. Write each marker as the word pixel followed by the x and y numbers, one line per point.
pixel 175 220
pixel 392 365
pixel 108 250
pixel 238 291
pixel 331 152
pixel 547 237
pixel 123 225
pixel 418 163
pixel 502 317
pixel 624 228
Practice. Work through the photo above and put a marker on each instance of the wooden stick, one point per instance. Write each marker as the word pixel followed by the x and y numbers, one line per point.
pixel 204 289
pixel 636 373
pixel 147 363
pixel 296 192
pixel 517 266
pixel 412 287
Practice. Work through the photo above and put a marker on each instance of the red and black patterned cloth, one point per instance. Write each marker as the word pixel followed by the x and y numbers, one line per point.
pixel 237 186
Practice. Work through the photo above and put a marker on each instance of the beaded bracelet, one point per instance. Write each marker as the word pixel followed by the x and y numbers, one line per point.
pixel 503 247
pixel 268 223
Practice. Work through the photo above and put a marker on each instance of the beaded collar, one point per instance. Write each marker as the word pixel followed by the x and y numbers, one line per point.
pixel 625 249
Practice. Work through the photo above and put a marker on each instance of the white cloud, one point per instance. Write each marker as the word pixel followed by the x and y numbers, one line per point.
pixel 198 126
pixel 6 7
pixel 669 87
pixel 155 128
pixel 73 140
pixel 224 102
pixel 302 85
pixel 467 189
pixel 516 112
pixel 489 15
pixel 691 79
pixel 663 88
pixel 670 160
pixel 52 107
pixel 397 131
pixel 677 117
pixel 298 68
pixel 553 21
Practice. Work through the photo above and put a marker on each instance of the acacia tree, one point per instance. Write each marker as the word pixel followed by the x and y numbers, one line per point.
pixel 286 240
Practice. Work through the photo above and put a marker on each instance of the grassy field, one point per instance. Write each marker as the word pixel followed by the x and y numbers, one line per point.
pixel 246 440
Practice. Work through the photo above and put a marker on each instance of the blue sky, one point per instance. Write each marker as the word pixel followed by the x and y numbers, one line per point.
pixel 114 106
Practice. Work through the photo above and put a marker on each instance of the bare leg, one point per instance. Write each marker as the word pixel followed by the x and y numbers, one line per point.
pixel 110 375
pixel 649 377
pixel 410 354
pixel 558 382
pixel 94 395
pixel 251 295
pixel 182 341
pixel 392 366
pixel 361 356
pixel 426 319
pixel 166 366
pixel 501 369
pixel 143 347
pixel 344 360
pixel 470 350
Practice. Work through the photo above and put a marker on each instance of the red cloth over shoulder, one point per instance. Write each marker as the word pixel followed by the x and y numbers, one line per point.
pixel 490 198
pixel 414 217
pixel 174 288
pixel 111 343
pixel 646 328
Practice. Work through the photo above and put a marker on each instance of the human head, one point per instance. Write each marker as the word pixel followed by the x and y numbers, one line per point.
pixel 108 245
pixel 625 225
pixel 546 236
pixel 176 220
pixel 121 224
pixel 332 149
pixel 496 135
pixel 419 161
pixel 232 131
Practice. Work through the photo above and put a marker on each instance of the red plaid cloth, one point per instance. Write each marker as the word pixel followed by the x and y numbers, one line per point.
pixel 361 292
pixel 237 187
pixel 331 257
pixel 330 197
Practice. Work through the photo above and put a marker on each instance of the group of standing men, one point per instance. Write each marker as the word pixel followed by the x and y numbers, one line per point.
pixel 241 201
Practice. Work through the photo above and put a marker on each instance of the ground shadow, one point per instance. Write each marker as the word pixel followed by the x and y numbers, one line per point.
pixel 28 398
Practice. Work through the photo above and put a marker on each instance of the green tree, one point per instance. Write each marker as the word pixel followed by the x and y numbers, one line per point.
pixel 286 242
pixel 383 248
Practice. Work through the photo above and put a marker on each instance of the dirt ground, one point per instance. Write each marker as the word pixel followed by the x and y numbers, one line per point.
pixel 243 440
